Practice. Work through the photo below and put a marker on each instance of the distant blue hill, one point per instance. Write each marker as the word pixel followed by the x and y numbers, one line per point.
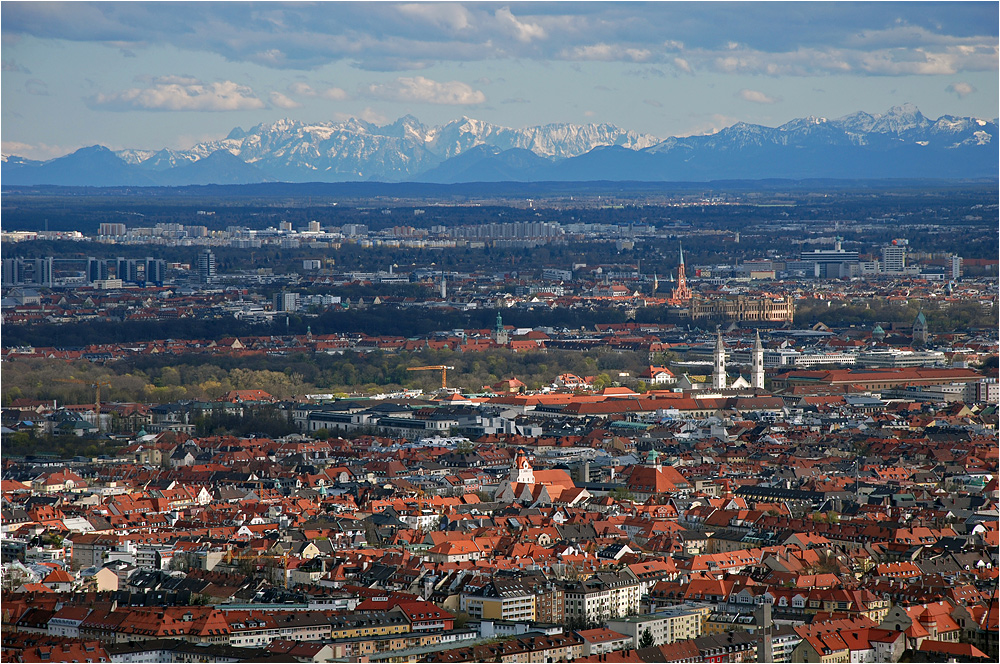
pixel 900 143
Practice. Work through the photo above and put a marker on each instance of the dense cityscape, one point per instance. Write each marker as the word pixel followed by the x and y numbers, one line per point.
pixel 441 442
pixel 473 332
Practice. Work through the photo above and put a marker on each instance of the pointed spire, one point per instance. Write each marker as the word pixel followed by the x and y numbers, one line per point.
pixel 757 365
pixel 719 362
pixel 681 293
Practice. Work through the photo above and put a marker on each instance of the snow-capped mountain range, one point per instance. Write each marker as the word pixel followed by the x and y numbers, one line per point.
pixel 358 150
pixel 898 143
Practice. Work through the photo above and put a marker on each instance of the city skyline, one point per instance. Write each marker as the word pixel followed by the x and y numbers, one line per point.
pixel 154 75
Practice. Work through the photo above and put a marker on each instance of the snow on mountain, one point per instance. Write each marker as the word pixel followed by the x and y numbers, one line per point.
pixel 556 141
pixel 157 160
pixel 901 125
pixel 900 120
pixel 355 149
pixel 293 151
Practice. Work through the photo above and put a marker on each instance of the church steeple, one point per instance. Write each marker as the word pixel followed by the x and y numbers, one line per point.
pixel 499 332
pixel 719 363
pixel 653 459
pixel 920 335
pixel 681 291
pixel 521 471
pixel 757 365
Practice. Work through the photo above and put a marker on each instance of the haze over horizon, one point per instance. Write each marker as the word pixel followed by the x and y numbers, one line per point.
pixel 154 75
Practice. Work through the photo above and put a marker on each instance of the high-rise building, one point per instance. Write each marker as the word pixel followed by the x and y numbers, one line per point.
pixel 38 271
pixel 206 267
pixel 351 230
pixel 43 271
pixel 111 230
pixel 956 268
pixel 831 263
pixel 13 272
pixel 284 301
pixel 125 269
pixel 140 271
pixel 893 258
pixel 156 270
pixel 97 269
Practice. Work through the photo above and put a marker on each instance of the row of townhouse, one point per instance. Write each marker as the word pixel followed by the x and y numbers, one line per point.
pixel 601 597
pixel 239 627
pixel 805 601
pixel 524 649
pixel 258 628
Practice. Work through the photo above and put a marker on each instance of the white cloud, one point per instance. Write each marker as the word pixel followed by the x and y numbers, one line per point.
pixel 170 79
pixel 368 115
pixel 755 96
pixel 424 90
pixel 888 63
pixel 336 94
pixel 281 101
pixel 884 62
pixel 606 52
pixel 961 89
pixel 181 93
pixel 683 65
pixel 373 116
pixel 272 57
pixel 712 125
pixel 637 54
pixel 301 89
pixel 522 32
pixel 765 38
pixel 444 15
pixel 36 151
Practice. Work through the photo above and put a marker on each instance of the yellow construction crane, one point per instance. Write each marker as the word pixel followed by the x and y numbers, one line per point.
pixel 436 367
pixel 97 395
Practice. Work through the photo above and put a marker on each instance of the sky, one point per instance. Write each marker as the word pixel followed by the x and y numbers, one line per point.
pixel 151 75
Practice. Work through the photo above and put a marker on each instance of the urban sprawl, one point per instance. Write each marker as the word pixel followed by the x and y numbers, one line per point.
pixel 705 477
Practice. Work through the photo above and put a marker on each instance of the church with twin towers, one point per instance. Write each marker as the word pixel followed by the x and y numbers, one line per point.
pixel 719 375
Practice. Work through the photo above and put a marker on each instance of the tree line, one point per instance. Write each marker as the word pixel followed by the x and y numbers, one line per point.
pixel 161 379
